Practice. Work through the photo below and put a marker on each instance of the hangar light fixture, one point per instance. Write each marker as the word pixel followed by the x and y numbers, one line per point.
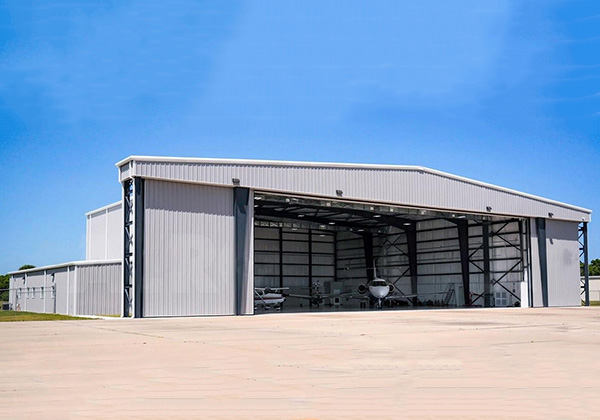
pixel 489 208
pixel 339 193
pixel 235 181
pixel 332 223
pixel 550 214
pixel 406 223
pixel 300 215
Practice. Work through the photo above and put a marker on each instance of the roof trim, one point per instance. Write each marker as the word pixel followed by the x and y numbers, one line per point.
pixel 167 159
pixel 63 265
pixel 107 207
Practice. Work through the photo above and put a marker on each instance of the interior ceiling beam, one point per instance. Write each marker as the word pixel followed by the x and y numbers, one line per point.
pixel 309 218
pixel 369 215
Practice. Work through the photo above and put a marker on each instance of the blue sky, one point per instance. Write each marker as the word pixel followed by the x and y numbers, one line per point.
pixel 506 92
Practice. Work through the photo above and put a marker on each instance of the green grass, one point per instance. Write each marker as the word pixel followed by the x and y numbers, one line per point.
pixel 12 316
pixel 594 302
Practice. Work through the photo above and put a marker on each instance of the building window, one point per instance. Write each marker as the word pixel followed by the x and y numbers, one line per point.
pixel 41 292
pixel 501 299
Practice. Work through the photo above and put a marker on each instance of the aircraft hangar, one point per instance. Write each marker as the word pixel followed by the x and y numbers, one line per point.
pixel 238 237
pixel 209 236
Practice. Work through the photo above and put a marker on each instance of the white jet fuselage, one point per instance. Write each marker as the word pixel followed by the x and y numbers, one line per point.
pixel 378 288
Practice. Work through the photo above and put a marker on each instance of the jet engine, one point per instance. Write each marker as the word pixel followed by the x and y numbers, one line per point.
pixel 362 289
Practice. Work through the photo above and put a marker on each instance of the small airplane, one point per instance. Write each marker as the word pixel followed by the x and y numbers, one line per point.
pixel 269 297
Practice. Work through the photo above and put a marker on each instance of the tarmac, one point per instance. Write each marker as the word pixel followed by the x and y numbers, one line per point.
pixel 513 363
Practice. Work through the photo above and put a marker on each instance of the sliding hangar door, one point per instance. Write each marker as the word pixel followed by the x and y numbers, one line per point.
pixel 200 241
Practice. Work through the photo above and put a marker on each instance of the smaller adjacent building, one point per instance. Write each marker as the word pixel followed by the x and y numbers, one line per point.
pixel 90 287
pixel 594 288
pixel 73 288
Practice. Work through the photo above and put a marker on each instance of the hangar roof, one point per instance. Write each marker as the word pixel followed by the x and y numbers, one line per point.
pixel 409 186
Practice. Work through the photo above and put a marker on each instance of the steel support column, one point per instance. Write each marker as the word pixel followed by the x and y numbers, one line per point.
pixel 529 262
pixel 138 254
pixel 411 242
pixel 463 242
pixel 369 260
pixel 586 263
pixel 487 289
pixel 542 248
pixel 311 288
pixel 241 199
pixel 127 296
pixel 280 257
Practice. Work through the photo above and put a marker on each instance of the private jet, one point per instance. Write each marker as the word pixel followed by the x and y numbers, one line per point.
pixel 380 290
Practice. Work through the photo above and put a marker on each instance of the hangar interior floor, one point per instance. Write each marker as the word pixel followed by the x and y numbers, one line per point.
pixel 319 255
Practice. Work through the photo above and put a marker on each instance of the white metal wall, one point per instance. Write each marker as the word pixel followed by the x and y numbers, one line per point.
pixel 189 250
pixel 98 289
pixel 594 288
pixel 104 233
pixel 64 280
pixel 79 289
pixel 412 186
pixel 562 247
pixel 564 286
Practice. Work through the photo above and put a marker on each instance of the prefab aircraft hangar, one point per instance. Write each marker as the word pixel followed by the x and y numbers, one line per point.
pixel 223 237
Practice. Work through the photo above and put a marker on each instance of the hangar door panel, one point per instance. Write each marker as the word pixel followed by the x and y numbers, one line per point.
pixel 188 250
pixel 563 263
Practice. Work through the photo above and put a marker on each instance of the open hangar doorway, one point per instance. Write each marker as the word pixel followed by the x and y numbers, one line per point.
pixel 313 254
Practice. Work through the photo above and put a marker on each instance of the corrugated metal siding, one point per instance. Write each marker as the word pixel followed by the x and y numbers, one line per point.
pixel 188 250
pixel 62 278
pixel 410 187
pixel 247 307
pixel 594 288
pixel 563 263
pixel 79 289
pixel 98 289
pixel 125 170
pixel 32 301
pixel 105 234
pixel 536 274
pixel 32 292
pixel 16 282
pixel 114 233
pixel 96 241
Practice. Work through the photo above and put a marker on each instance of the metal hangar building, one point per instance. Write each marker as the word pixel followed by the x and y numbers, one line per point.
pixel 201 236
